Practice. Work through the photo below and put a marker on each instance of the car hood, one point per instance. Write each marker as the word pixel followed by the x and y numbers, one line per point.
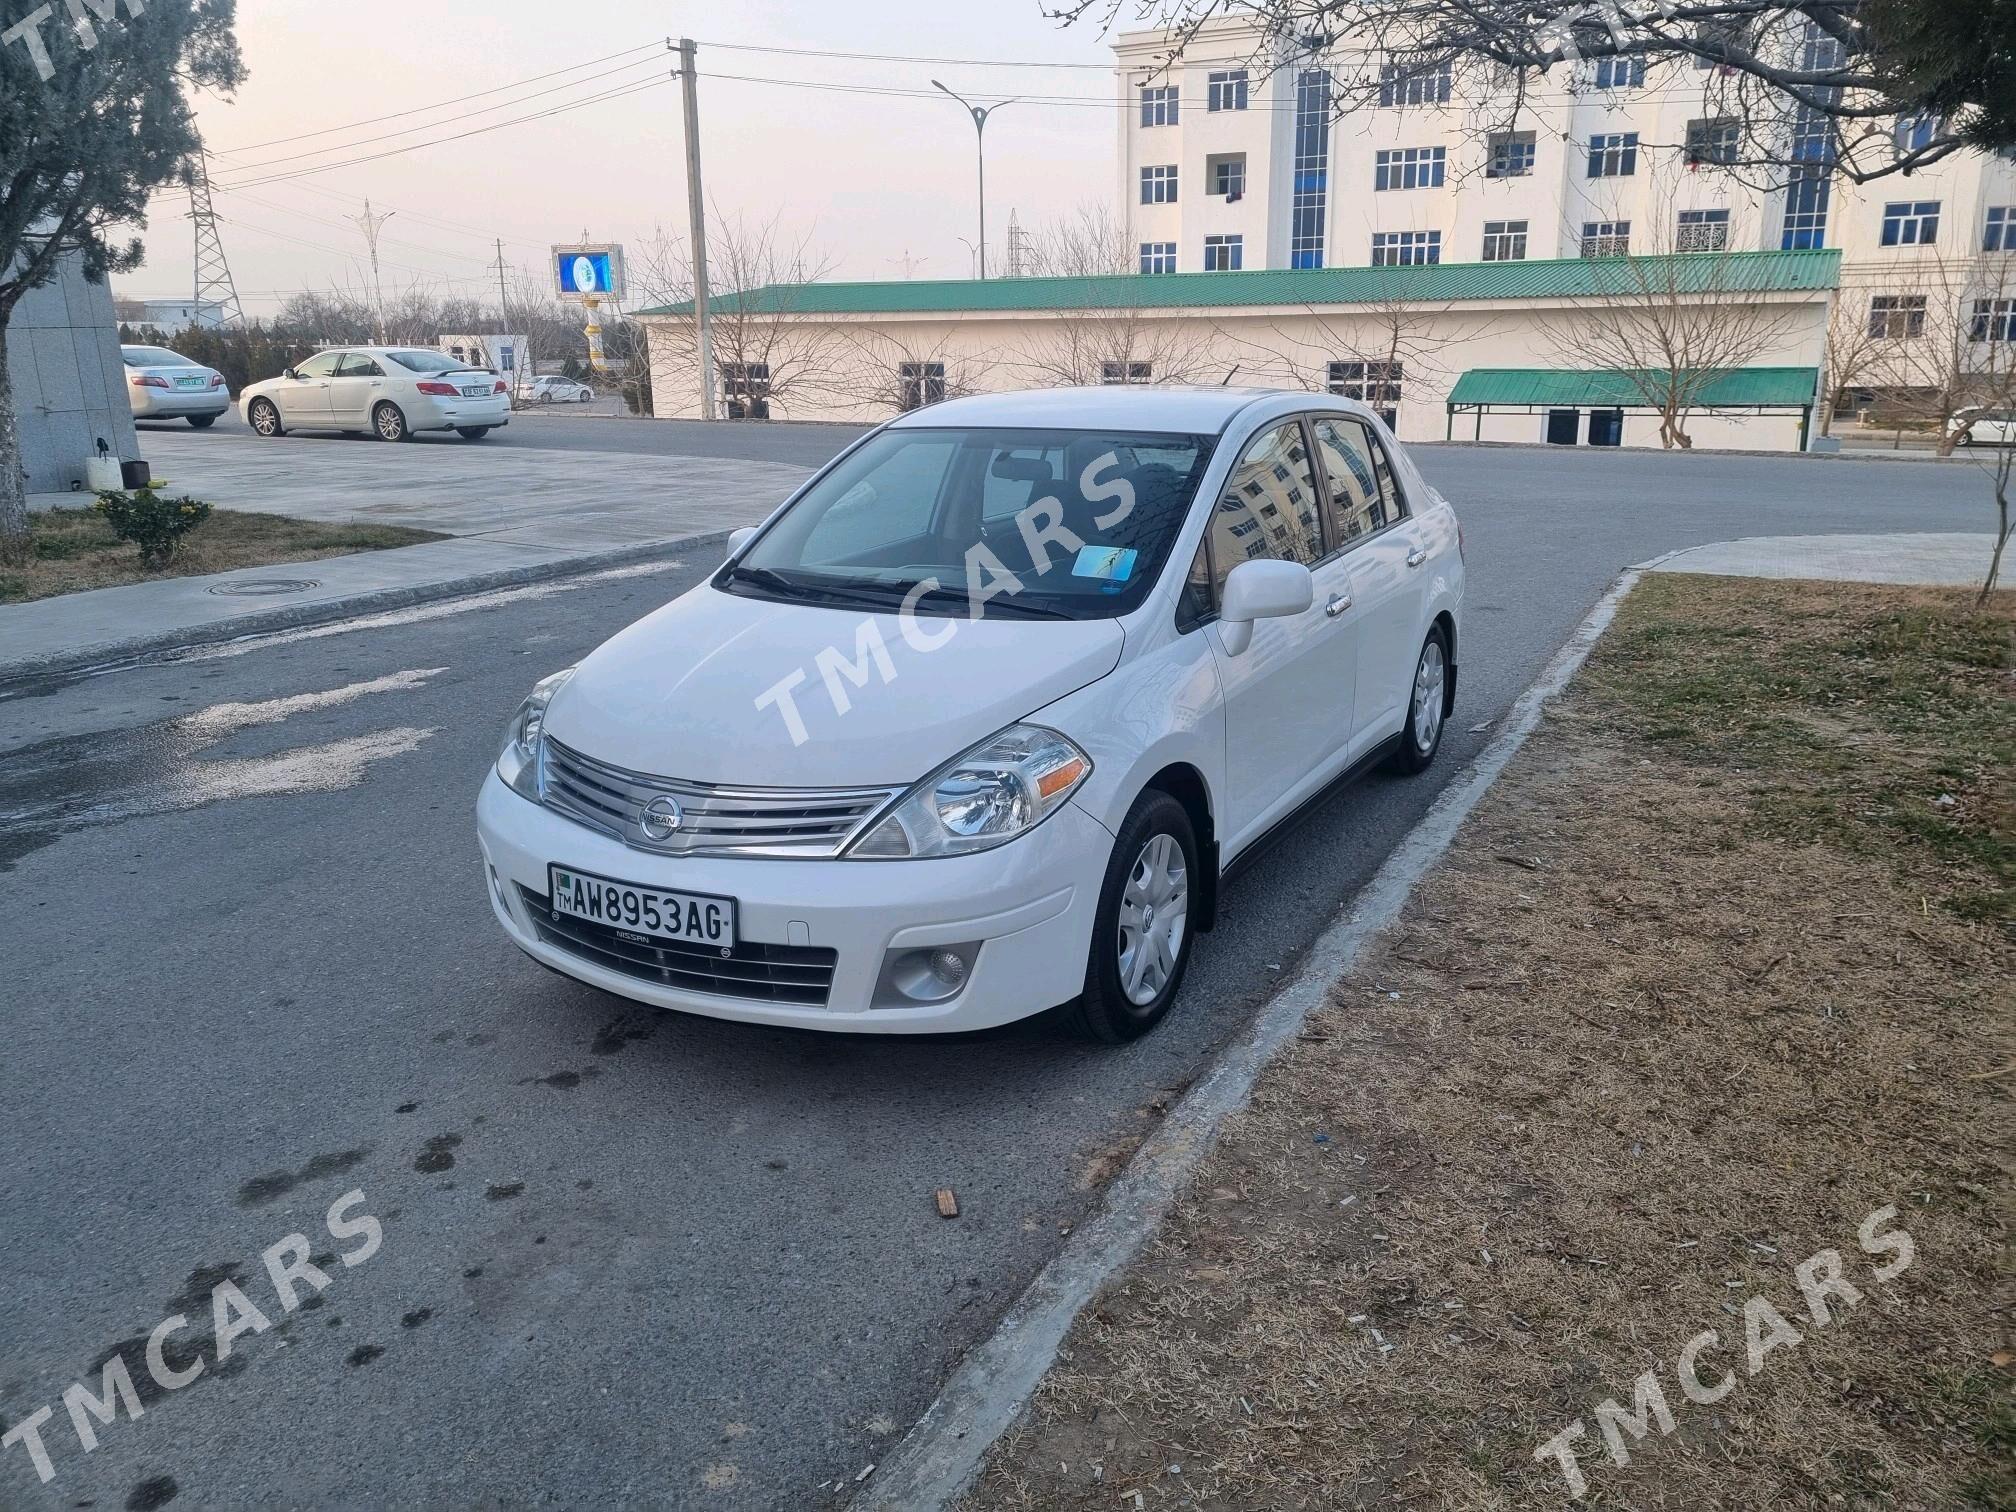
pixel 676 694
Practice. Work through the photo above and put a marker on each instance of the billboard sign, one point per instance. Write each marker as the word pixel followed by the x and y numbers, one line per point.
pixel 592 271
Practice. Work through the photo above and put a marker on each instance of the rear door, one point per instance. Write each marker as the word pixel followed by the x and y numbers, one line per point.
pixel 358 384
pixel 1369 518
pixel 304 398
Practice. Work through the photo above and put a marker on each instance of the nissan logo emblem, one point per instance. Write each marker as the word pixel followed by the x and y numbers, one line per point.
pixel 662 817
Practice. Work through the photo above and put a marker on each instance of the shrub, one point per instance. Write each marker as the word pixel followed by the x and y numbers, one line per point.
pixel 152 523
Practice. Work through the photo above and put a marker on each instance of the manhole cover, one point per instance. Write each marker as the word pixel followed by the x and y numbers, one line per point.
pixel 265 587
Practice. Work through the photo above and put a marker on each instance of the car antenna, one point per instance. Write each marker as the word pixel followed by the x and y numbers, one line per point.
pixel 1227 383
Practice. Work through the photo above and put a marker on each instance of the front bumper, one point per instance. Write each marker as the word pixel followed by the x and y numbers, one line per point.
pixel 178 404
pixel 1029 904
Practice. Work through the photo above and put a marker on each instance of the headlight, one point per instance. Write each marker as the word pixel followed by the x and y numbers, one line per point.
pixel 518 762
pixel 1003 787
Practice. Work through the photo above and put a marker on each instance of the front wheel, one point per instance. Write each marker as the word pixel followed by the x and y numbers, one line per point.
pixel 472 432
pixel 1141 934
pixel 1427 705
pixel 389 423
pixel 202 422
pixel 265 417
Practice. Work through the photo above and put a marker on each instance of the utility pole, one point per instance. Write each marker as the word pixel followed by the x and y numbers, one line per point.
pixel 696 211
pixel 979 114
pixel 521 359
pixel 371 225
pixel 214 285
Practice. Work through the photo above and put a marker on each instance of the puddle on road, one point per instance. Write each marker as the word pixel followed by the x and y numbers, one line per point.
pixel 62 785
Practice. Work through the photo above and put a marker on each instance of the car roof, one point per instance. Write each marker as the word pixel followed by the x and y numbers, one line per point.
pixel 1142 407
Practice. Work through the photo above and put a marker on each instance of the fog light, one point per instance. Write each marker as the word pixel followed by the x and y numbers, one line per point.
pixel 948 967
pixel 916 978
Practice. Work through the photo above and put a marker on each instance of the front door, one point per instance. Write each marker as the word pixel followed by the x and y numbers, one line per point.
pixel 358 383
pixel 1288 694
pixel 304 398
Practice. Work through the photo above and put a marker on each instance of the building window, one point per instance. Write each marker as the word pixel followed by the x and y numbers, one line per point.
pixel 919 384
pixel 1158 257
pixel 746 387
pixel 1810 191
pixel 1703 231
pixel 1309 217
pixel 1912 224
pixel 1227 90
pixel 1994 320
pixel 1226 175
pixel 1512 155
pixel 1806 200
pixel 1406 249
pixel 1411 168
pixel 1416 83
pixel 1718 139
pixel 1606 238
pixel 1375 384
pixel 1158 105
pixel 1224 254
pixel 1619 73
pixel 1895 317
pixel 1917 131
pixel 2001 235
pixel 1614 155
pixel 1158 185
pixel 1505 241
pixel 1125 372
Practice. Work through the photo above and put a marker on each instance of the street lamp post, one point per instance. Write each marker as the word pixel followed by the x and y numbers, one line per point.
pixel 979 114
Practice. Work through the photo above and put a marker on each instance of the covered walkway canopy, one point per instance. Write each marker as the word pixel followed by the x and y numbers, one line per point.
pixel 1535 391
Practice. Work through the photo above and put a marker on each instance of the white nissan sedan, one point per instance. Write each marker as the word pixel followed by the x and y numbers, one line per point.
pixel 389 392
pixel 974 723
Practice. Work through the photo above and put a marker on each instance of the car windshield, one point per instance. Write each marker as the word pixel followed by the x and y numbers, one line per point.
pixel 430 362
pixel 988 523
pixel 144 356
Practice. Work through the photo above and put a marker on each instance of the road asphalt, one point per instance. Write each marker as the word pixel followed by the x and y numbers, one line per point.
pixel 626 1257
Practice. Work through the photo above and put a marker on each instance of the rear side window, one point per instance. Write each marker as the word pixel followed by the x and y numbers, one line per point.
pixel 1362 497
pixel 357 365
pixel 1268 506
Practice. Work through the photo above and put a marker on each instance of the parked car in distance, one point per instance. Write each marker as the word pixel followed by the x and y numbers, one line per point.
pixel 165 385
pixel 551 388
pixel 389 392
pixel 975 722
pixel 1978 426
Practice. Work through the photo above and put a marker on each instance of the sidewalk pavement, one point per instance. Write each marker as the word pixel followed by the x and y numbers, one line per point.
pixel 1956 561
pixel 515 516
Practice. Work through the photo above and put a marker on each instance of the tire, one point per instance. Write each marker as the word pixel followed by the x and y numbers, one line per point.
pixel 1127 994
pixel 546 397
pixel 202 422
pixel 1427 706
pixel 472 432
pixel 264 418
pixel 388 423
pixel 586 396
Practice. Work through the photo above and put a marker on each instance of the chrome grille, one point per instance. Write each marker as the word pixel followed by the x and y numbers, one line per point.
pixel 799 974
pixel 713 820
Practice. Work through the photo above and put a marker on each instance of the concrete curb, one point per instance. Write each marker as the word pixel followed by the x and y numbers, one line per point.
pixel 265 621
pixel 945 1449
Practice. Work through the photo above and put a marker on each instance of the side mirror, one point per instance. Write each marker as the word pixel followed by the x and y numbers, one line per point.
pixel 1261 590
pixel 737 539
pixel 290 373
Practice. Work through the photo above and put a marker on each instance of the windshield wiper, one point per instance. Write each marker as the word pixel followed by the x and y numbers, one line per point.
pixel 1008 608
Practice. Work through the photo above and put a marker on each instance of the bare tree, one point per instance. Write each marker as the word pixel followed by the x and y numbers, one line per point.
pixel 1806 82
pixel 901 368
pixel 1854 352
pixel 1090 242
pixel 1940 331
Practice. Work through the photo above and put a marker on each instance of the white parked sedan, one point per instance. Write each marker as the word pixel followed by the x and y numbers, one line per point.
pixel 976 721
pixel 552 388
pixel 391 392
pixel 165 385
pixel 1984 427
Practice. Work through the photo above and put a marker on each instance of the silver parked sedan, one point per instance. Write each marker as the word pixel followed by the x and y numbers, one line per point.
pixel 165 385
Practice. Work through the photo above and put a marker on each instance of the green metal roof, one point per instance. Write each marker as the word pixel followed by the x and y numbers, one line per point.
pixel 1758 272
pixel 1790 388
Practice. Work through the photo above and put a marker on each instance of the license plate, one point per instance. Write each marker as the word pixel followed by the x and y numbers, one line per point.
pixel 693 917
pixel 475 393
pixel 192 382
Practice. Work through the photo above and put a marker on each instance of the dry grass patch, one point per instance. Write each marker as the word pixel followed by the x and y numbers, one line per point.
pixel 1722 966
pixel 74 549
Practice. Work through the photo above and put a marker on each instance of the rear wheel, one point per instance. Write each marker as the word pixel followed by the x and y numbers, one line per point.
pixel 202 422
pixel 1427 705
pixel 389 423
pixel 472 432
pixel 1141 933
pixel 265 417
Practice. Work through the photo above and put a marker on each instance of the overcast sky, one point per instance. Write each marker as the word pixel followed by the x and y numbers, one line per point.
pixel 873 178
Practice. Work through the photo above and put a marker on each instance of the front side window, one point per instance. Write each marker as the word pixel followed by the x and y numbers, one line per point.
pixel 1606 238
pixel 1227 90
pixel 1361 497
pixel 1911 224
pixel 1512 155
pixel 1403 249
pixel 1505 241
pixel 324 365
pixel 1224 254
pixel 1268 507
pixel 1613 155
pixel 1703 231
pixel 1158 257
pixel 1159 105
pixel 1411 168
pixel 939 516
pixel 1158 184
pixel 1896 317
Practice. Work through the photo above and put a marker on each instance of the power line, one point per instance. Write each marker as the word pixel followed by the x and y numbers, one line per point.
pixel 814 52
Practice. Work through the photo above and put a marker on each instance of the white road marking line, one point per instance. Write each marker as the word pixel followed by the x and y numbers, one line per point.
pixel 224 719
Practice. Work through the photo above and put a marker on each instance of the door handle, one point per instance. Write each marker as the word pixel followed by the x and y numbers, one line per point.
pixel 1416 557
pixel 1339 604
